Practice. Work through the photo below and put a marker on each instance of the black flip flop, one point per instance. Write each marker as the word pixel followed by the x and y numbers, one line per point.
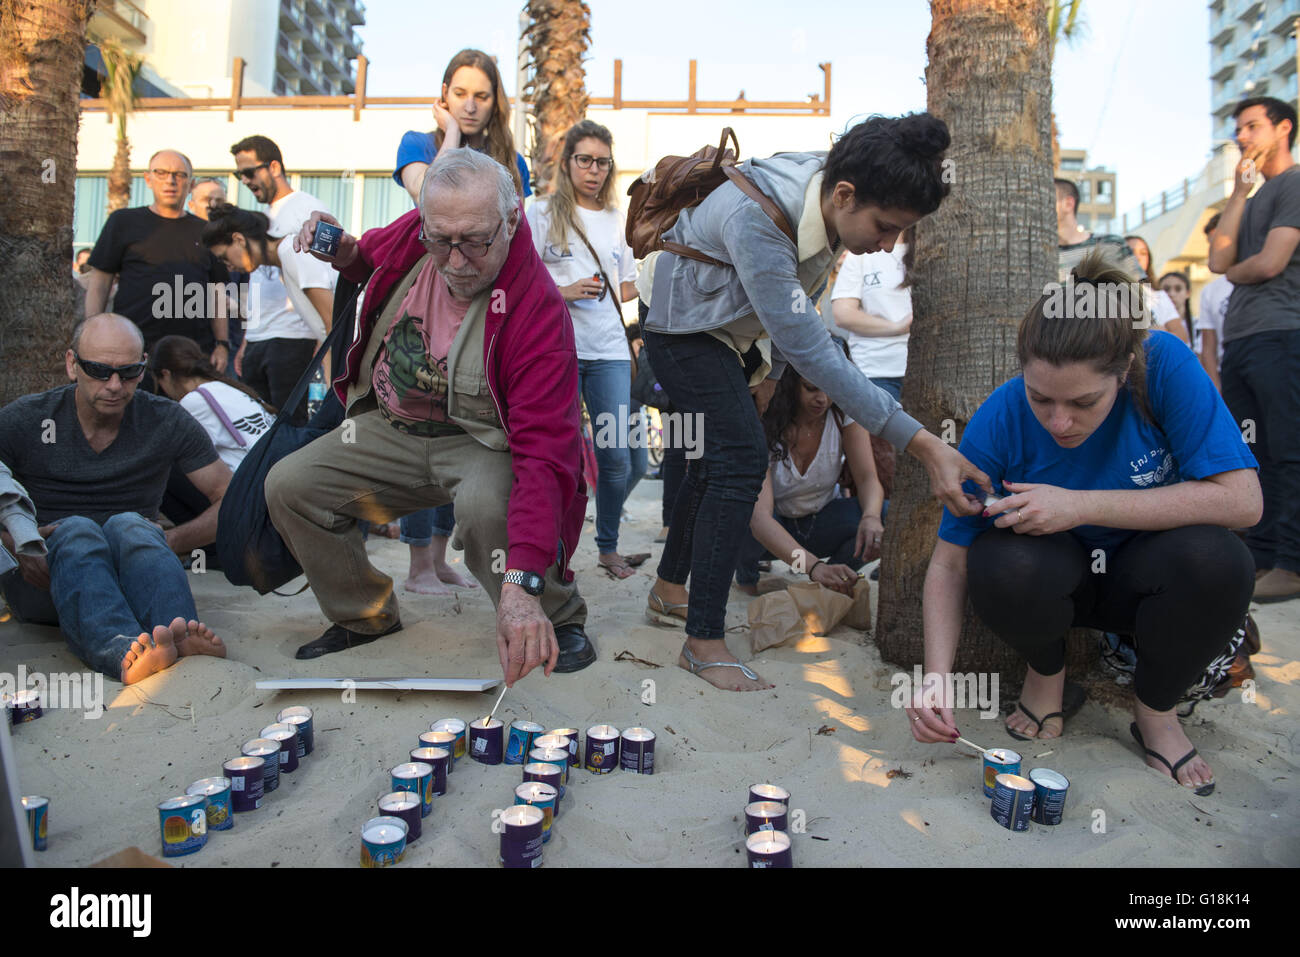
pixel 1072 698
pixel 1203 791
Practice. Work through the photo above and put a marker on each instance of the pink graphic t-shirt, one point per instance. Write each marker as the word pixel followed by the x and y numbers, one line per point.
pixel 410 373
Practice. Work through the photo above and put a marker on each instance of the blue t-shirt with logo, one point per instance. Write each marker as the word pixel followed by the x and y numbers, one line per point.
pixel 417 147
pixel 1193 437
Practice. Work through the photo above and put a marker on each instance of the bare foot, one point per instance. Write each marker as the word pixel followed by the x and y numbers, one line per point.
pixel 728 679
pixel 196 638
pixel 148 656
pixel 1162 733
pixel 449 576
pixel 1042 695
pixel 426 582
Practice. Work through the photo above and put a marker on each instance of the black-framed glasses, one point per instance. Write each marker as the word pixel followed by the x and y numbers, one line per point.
pixel 469 248
pixel 172 175
pixel 584 161
pixel 103 372
pixel 248 171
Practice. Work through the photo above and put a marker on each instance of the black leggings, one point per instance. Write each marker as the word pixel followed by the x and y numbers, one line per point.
pixel 1181 593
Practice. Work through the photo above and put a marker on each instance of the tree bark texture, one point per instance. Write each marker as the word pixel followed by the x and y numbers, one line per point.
pixel 981 261
pixel 558 36
pixel 42 44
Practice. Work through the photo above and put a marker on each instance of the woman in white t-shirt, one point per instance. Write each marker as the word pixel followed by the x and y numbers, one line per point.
pixel 800 515
pixel 873 304
pixel 578 232
pixel 231 412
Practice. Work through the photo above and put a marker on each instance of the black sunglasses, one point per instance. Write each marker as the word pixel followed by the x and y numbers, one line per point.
pixel 98 370
pixel 248 171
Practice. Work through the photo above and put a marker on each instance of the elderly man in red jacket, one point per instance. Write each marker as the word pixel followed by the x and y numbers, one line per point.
pixel 461 383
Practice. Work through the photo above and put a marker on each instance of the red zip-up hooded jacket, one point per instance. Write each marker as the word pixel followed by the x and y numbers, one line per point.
pixel 532 372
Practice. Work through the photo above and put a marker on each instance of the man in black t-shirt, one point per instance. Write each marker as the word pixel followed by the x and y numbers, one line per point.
pixel 94 458
pixel 166 278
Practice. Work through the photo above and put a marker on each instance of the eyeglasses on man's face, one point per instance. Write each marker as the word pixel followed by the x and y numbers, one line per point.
pixel 584 161
pixel 249 171
pixel 171 175
pixel 469 248
pixel 102 372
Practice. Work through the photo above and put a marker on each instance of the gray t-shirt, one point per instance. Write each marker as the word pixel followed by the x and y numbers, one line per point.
pixel 1274 305
pixel 42 443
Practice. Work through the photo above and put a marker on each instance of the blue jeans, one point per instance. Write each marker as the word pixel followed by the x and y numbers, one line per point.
pixel 605 386
pixel 893 386
pixel 710 518
pixel 419 528
pixel 830 533
pixel 108 584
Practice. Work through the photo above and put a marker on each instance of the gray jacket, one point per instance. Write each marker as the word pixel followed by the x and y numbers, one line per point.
pixel 764 288
pixel 18 517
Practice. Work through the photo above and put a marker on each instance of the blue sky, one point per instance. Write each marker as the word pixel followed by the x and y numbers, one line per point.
pixel 1134 91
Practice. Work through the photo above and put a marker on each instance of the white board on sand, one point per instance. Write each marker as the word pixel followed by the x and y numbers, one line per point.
pixel 379 684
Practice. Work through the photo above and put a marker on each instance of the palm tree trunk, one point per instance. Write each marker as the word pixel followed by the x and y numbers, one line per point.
pixel 981 261
pixel 119 177
pixel 42 46
pixel 558 36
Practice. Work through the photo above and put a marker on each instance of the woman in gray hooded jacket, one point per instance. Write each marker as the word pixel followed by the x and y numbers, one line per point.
pixel 707 335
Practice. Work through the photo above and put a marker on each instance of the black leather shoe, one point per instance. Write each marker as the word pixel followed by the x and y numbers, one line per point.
pixel 576 651
pixel 338 638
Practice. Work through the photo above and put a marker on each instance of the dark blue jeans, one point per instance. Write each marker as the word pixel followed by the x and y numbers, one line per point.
pixel 1261 382
pixel 710 518
pixel 832 532
pixel 108 584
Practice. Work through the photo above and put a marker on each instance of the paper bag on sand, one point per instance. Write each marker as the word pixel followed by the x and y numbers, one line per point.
pixel 805 609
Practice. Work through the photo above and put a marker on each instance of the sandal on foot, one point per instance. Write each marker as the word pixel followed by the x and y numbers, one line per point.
pixel 697 666
pixel 1203 791
pixel 637 560
pixel 661 612
pixel 618 569
pixel 1072 699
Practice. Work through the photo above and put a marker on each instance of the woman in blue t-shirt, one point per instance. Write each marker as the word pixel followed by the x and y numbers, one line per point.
pixel 472 111
pixel 1126 474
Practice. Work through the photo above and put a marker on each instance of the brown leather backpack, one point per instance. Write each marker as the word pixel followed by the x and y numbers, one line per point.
pixel 675 183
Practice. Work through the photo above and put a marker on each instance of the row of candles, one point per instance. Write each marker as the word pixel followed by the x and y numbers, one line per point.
pixel 546 758
pixel 210 804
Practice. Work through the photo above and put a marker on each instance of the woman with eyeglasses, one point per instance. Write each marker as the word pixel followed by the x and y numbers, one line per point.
pixel 578 232
pixel 472 110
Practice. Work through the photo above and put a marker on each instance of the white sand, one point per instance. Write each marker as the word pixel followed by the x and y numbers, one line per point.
pixel 104 777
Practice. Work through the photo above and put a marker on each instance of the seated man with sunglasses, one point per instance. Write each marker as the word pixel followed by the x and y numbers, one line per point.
pixel 94 456
pixel 461 384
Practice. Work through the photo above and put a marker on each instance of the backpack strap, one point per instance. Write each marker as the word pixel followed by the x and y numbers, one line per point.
pixel 746 186
pixel 225 419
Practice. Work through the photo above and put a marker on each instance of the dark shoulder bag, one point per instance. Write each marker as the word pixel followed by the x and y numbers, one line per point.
pixel 249 547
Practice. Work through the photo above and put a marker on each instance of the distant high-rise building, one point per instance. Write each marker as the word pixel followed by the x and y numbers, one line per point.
pixel 1252 53
pixel 289 47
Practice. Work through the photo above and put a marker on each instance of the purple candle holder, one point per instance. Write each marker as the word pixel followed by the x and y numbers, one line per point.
pixel 456 727
pixel 571 735
pixel 246 775
pixel 487 741
pixel 269 752
pixel 545 773
pixel 768 792
pixel 440 760
pixel 769 849
pixel 405 806
pixel 765 816
pixel 300 716
pixel 446 740
pixel 521 841
pixel 636 751
pixel 287 735
pixel 602 749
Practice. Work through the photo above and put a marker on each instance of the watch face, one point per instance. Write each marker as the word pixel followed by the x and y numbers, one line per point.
pixel 533 583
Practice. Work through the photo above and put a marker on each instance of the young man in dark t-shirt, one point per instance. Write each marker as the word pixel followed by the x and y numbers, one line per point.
pixel 163 270
pixel 94 457
pixel 1257 246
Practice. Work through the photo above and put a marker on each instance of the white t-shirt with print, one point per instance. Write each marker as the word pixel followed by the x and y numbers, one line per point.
pixel 279 308
pixel 1214 306
pixel 248 417
pixel 875 280
pixel 597 330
